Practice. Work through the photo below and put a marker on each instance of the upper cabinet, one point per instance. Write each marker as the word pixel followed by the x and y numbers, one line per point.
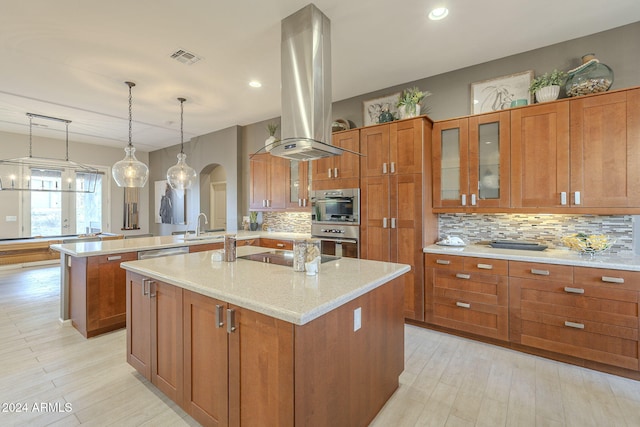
pixel 390 149
pixel 471 162
pixel 298 197
pixel 338 171
pixel 268 182
pixel 578 155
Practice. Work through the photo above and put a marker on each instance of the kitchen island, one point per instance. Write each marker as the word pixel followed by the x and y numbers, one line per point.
pixel 92 285
pixel 253 343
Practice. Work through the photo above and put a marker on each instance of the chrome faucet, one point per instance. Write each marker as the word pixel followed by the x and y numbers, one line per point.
pixel 198 222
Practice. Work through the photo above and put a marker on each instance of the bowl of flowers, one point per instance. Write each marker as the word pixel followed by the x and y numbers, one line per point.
pixel 591 244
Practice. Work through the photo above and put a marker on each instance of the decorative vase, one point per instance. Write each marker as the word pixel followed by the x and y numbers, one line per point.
pixel 408 111
pixel 590 77
pixel 268 143
pixel 548 93
pixel 253 226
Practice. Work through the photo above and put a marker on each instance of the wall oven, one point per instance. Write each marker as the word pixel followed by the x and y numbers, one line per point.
pixel 335 220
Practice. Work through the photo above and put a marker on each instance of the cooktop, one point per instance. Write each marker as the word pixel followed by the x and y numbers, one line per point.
pixel 281 257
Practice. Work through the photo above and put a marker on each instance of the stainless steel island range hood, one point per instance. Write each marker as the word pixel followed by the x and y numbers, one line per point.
pixel 306 87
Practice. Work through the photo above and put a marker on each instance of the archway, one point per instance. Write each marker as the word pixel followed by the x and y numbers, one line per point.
pixel 213 196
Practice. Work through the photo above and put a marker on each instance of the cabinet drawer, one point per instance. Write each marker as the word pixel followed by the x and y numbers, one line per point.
pixel 444 262
pixel 486 265
pixel 112 258
pixel 276 244
pixel 538 271
pixel 206 247
pixel 483 319
pixel 477 287
pixel 619 279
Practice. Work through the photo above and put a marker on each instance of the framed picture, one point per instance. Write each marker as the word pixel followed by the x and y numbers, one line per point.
pixel 497 94
pixel 171 205
pixel 371 109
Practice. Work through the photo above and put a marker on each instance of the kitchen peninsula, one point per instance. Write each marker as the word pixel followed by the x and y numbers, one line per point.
pixel 92 285
pixel 255 343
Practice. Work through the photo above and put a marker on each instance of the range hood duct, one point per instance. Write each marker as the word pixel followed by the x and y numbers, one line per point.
pixel 306 87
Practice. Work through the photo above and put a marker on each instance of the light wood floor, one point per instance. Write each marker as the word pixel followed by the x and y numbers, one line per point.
pixel 448 381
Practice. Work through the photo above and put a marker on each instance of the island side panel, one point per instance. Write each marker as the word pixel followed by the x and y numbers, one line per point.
pixel 343 377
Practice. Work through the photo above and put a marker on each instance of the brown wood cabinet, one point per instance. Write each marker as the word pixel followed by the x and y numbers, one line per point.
pixel 206 247
pixel 391 202
pixel 338 171
pixel 471 165
pixel 298 191
pixel 588 313
pixel 276 244
pixel 269 178
pixel 97 293
pixel 468 294
pixel 245 368
pixel 154 333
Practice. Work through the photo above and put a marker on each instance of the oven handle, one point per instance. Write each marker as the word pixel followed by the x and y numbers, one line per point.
pixel 331 239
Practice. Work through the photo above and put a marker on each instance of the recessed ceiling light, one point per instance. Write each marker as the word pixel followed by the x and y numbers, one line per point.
pixel 255 83
pixel 438 13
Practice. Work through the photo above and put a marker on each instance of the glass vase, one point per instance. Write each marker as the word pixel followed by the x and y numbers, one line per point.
pixel 591 77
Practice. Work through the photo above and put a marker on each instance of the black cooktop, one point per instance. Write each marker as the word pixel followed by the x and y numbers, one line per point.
pixel 281 257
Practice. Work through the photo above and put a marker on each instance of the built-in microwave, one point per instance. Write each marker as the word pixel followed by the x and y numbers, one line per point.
pixel 335 206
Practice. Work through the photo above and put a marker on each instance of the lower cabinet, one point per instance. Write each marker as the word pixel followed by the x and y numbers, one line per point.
pixel 277 244
pixel 587 313
pixel 468 294
pixel 229 366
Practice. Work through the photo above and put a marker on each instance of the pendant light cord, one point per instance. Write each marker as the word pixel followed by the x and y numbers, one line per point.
pixel 182 100
pixel 130 84
pixel 30 136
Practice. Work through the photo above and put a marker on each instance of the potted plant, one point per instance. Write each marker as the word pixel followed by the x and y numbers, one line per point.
pixel 272 129
pixel 547 86
pixel 253 220
pixel 409 102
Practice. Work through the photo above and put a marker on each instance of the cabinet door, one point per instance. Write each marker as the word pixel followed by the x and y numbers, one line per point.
pixel 450 163
pixel 138 324
pixel 489 160
pixel 406 239
pixel 347 165
pixel 374 145
pixel 259 181
pixel 260 370
pixel 206 382
pixel 278 182
pixel 605 150
pixel 298 194
pixel 375 219
pixel 405 147
pixel 540 155
pixel 166 339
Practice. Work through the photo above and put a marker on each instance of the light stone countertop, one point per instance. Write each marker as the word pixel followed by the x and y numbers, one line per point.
pixel 86 249
pixel 548 256
pixel 270 289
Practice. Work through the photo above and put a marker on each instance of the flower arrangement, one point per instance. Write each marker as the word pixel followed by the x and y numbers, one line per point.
pixel 555 78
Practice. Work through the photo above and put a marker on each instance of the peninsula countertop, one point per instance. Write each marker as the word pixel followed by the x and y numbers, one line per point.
pixel 623 261
pixel 86 249
pixel 270 289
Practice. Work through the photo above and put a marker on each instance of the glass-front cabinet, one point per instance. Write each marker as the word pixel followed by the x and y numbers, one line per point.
pixel 298 185
pixel 471 162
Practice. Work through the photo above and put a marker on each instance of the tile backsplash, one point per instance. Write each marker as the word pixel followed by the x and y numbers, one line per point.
pixel 545 228
pixel 291 222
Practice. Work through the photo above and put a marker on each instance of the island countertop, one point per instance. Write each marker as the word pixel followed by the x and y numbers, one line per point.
pixel 86 249
pixel 271 289
pixel 627 262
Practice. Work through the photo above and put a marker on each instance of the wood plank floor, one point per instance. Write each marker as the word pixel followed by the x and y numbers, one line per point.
pixel 448 381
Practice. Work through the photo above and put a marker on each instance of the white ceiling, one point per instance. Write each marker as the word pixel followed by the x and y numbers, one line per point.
pixel 70 59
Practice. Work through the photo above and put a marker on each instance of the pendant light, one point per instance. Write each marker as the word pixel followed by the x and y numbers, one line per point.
pixel 130 172
pixel 181 176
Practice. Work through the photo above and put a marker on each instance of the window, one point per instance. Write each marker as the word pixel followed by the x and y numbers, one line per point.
pixel 52 213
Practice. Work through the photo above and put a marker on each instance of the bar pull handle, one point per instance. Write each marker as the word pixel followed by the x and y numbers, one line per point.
pixel 329 172
pixel 152 289
pixel 268 203
pixel 384 222
pixel 563 198
pixel 463 304
pixel 473 200
pixel 612 279
pixel 443 261
pixel 574 325
pixel 219 321
pixel 264 203
pixel 573 290
pixel 304 202
pixel 145 292
pixel 384 168
pixel 393 223
pixel 485 266
pixel 280 245
pixel 576 198
pixel 463 276
pixel 464 200
pixel 335 172
pixel 539 272
pixel 231 320
pixel 114 258
pixel 393 167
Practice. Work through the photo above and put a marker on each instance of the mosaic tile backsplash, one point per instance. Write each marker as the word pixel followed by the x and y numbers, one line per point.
pixel 544 228
pixel 290 222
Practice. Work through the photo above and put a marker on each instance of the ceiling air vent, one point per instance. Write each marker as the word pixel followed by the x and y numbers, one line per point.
pixel 185 57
